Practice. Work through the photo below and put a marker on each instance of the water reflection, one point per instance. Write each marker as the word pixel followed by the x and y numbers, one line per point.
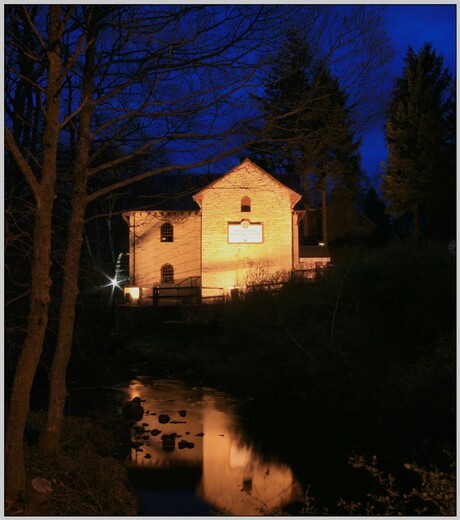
pixel 203 433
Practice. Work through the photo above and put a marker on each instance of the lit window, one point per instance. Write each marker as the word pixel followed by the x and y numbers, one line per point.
pixel 167 234
pixel 167 273
pixel 246 204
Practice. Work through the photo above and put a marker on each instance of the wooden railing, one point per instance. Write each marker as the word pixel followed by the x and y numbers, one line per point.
pixel 176 295
pixel 189 291
pixel 191 281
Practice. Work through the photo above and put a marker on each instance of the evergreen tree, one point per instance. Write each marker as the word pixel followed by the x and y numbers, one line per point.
pixel 307 124
pixel 329 150
pixel 420 132
pixel 284 106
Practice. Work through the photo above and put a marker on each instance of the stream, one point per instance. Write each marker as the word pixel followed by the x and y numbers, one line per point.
pixel 189 455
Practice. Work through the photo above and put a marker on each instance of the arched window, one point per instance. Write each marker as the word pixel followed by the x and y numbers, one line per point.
pixel 167 232
pixel 246 204
pixel 167 273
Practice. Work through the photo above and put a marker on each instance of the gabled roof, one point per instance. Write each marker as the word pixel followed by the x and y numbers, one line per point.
pixel 170 192
pixel 295 195
pixel 175 192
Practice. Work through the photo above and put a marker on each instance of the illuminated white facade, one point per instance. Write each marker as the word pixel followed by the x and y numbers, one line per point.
pixel 243 229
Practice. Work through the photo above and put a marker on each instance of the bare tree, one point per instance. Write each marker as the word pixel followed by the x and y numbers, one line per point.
pixel 43 189
pixel 327 82
pixel 137 78
pixel 146 80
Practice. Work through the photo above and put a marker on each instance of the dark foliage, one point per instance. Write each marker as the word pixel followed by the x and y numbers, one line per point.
pixel 367 354
pixel 420 132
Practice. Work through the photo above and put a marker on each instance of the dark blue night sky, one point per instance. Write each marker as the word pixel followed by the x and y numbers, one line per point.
pixel 406 25
pixel 411 25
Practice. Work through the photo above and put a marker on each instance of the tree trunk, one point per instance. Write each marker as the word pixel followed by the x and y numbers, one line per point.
pixel 108 222
pixel 51 433
pixel 324 216
pixel 15 483
pixel 27 364
pixel 306 229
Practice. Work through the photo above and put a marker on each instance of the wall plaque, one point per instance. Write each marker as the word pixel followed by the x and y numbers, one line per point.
pixel 245 232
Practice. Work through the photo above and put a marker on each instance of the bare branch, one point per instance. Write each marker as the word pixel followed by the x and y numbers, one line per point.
pixel 22 164
pixel 33 26
pixel 163 169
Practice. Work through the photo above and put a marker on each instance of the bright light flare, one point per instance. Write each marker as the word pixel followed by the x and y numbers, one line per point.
pixel 114 283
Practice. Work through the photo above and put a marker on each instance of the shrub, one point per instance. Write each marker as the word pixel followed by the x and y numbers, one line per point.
pixel 435 494
pixel 85 480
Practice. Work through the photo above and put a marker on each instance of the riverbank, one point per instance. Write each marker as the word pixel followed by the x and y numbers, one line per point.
pixel 86 478
pixel 361 363
pixel 365 359
pixel 341 456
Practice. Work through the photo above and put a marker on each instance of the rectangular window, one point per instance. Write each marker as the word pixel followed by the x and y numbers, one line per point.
pixel 246 204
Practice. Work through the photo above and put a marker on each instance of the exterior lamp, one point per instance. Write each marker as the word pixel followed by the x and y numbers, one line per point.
pixel 131 294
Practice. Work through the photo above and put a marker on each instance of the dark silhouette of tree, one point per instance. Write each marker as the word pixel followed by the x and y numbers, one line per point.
pixel 332 152
pixel 288 86
pixel 137 79
pixel 42 187
pixel 145 80
pixel 420 174
pixel 308 126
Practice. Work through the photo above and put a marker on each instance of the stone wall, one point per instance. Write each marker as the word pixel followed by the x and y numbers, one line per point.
pixel 150 254
pixel 226 265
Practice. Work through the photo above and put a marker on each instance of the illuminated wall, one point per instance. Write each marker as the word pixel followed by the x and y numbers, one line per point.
pixel 228 261
pixel 245 232
pixel 151 253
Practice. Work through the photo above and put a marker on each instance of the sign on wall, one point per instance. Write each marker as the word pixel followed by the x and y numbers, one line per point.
pixel 245 232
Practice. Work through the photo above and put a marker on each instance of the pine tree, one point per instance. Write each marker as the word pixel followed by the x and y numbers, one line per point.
pixel 419 176
pixel 329 149
pixel 279 138
pixel 307 125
